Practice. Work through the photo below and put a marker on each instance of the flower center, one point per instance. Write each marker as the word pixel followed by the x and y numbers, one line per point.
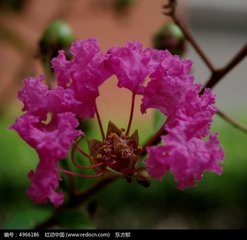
pixel 118 151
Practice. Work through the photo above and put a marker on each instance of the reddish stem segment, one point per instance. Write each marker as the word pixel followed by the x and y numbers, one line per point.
pixel 81 175
pixel 155 138
pixel 79 165
pixel 131 113
pixel 100 123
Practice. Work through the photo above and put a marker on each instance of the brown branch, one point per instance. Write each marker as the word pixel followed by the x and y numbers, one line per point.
pixel 73 202
pixel 170 10
pixel 194 43
pixel 232 121
pixel 218 74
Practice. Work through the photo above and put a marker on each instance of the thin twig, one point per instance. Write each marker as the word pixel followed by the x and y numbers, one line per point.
pixel 232 121
pixel 194 43
pixel 155 139
pixel 217 75
pixel 100 123
pixel 171 7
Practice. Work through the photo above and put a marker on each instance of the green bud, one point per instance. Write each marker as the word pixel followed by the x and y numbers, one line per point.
pixel 58 35
pixel 170 37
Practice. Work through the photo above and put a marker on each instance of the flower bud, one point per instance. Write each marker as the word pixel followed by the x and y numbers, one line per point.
pixel 170 37
pixel 58 35
pixel 143 177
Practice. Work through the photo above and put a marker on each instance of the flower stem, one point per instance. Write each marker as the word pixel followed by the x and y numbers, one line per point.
pixel 218 74
pixel 131 113
pixel 154 139
pixel 100 123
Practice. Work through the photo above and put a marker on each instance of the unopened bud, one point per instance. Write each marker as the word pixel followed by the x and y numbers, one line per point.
pixel 58 35
pixel 170 37
pixel 143 177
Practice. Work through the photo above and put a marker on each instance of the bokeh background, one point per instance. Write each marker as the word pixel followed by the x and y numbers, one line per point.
pixel 220 28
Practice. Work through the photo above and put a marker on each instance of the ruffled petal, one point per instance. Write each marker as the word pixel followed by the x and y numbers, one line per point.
pixel 44 182
pixel 131 64
pixel 186 160
pixel 52 143
pixel 83 74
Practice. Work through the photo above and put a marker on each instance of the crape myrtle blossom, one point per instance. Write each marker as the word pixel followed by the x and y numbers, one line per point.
pixel 50 123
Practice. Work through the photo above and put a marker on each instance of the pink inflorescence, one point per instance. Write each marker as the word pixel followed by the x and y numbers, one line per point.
pixel 187 150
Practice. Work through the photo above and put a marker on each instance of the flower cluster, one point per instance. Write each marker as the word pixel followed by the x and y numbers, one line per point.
pixel 187 150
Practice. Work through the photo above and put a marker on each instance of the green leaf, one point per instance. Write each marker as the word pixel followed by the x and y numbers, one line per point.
pixel 27 218
pixel 74 219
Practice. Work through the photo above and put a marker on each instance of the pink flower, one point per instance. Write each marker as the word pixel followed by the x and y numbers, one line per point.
pixel 185 159
pixel 171 89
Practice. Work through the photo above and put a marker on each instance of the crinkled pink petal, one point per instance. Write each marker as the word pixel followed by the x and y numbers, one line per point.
pixel 34 96
pixel 44 181
pixel 131 64
pixel 86 84
pixel 186 160
pixel 173 92
pixel 83 74
pixel 156 165
pixel 84 51
pixel 169 83
pixel 62 68
pixel 53 139
pixel 52 142
pixel 39 100
pixel 195 113
pixel 166 93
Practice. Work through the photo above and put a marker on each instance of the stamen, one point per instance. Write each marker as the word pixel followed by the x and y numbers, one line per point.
pixel 131 113
pixel 81 175
pixel 100 123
